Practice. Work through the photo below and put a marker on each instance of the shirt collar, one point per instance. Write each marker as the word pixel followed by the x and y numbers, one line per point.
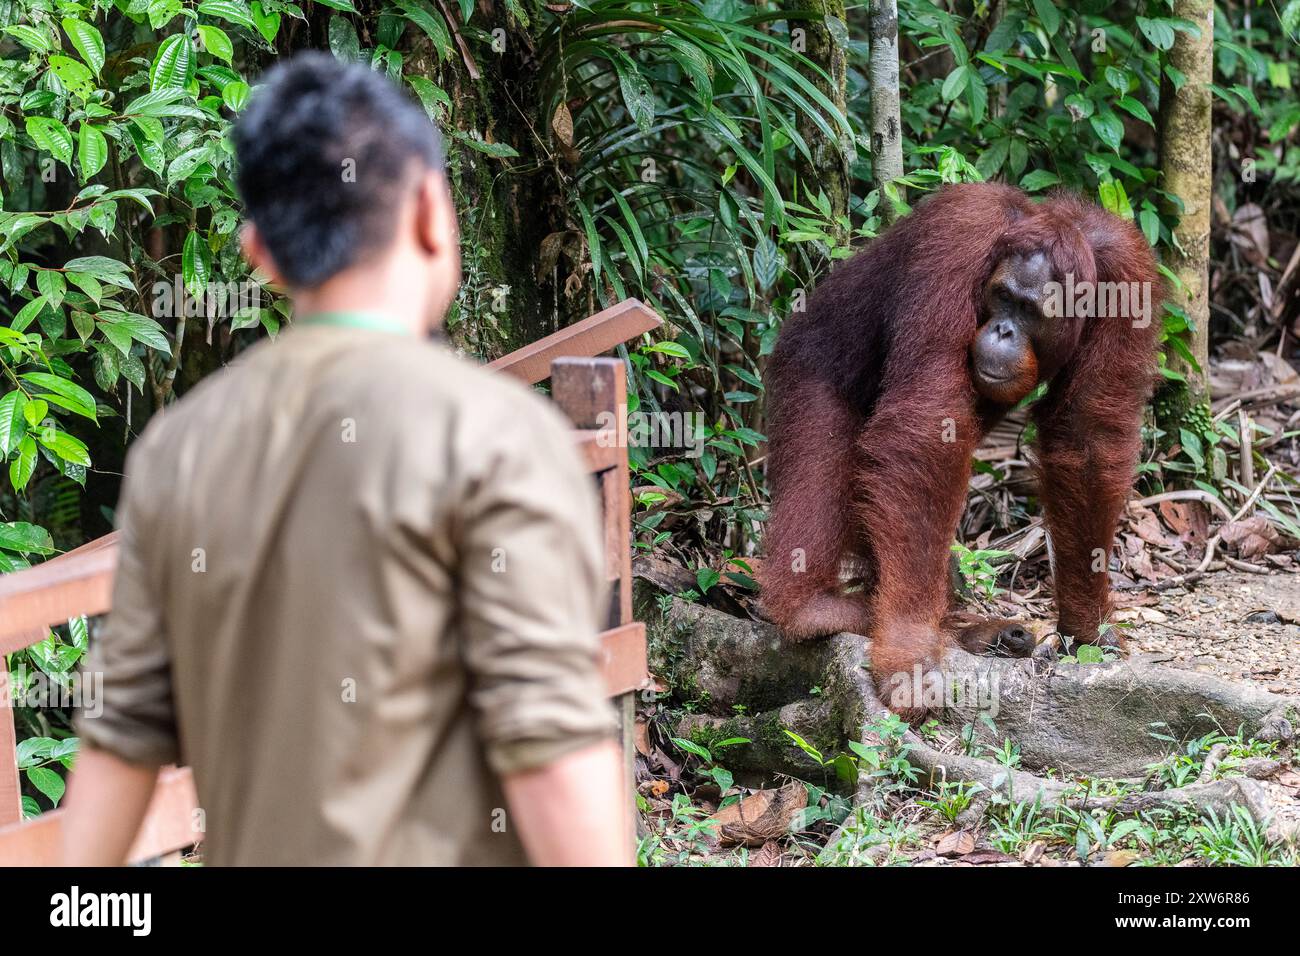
pixel 375 321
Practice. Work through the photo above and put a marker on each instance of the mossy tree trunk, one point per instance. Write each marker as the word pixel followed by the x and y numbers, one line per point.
pixel 507 205
pixel 828 169
pixel 1185 164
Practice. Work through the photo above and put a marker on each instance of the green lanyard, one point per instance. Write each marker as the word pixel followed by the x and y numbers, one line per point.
pixel 376 321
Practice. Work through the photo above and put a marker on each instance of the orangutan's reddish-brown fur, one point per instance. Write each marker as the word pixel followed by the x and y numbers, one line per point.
pixel 867 384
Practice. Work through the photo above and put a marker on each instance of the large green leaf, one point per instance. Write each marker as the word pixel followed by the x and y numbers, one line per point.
pixel 216 41
pixel 64 445
pixel 151 153
pixel 232 11
pixel 235 95
pixel 47 782
pixel 87 41
pixel 74 75
pixel 25 538
pixel 141 328
pixel 31 37
pixel 186 163
pixel 24 464
pixel 84 401
pixel 51 136
pixel 422 15
pixel 12 425
pixel 196 264
pixel 267 22
pixel 171 65
pixel 92 151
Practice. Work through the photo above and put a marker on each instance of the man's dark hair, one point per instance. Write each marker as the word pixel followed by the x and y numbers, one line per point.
pixel 326 152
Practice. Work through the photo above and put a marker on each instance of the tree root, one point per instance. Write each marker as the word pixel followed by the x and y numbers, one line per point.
pixel 1110 720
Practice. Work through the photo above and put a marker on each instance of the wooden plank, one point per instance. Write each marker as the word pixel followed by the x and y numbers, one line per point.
pixel 617 502
pixel 588 390
pixel 79 582
pixel 599 448
pixel 591 391
pixel 171 820
pixel 11 804
pixel 168 826
pixel 592 336
pixel 622 659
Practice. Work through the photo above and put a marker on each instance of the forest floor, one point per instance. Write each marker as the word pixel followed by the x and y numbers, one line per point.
pixel 1242 627
pixel 1239 626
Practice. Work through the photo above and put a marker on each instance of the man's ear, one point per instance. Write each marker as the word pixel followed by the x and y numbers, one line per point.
pixel 435 216
pixel 255 251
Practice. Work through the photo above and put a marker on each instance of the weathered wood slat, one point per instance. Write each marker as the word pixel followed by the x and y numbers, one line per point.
pixel 622 659
pixel 168 825
pixel 79 582
pixel 600 333
pixel 599 449
pixel 11 805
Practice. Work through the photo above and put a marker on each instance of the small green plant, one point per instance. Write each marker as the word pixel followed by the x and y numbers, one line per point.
pixel 970 746
pixel 719 775
pixel 1181 768
pixel 37 758
pixel 868 840
pixel 978 569
pixel 951 799
pixel 1236 840
pixel 1090 653
pixel 1008 754
pixel 690 828
pixel 885 762
pixel 822 806
pixel 1014 825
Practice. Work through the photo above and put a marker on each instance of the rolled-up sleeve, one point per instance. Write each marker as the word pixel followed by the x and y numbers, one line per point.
pixel 136 719
pixel 532 593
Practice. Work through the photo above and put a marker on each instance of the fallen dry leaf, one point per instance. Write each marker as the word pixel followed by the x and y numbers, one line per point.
pixel 1250 233
pixel 1251 536
pixel 1120 858
pixel 769 855
pixel 1033 853
pixel 1188 519
pixel 1147 526
pixel 761 816
pixel 956 843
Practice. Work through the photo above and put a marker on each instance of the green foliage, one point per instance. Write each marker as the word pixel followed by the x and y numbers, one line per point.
pixel 1184 765
pixel 680 152
pixel 978 569
pixel 951 799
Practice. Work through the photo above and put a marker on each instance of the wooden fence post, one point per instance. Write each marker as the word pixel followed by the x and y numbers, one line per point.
pixel 592 392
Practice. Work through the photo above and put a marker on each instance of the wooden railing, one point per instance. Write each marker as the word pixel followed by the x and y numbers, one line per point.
pixel 80 582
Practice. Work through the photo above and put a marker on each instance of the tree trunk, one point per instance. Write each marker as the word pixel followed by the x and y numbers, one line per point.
pixel 828 170
pixel 1185 162
pixel 886 125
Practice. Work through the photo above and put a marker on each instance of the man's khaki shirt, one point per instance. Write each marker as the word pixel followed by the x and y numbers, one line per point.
pixel 359 580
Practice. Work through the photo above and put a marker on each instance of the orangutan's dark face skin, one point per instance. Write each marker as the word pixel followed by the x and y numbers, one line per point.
pixel 1017 345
